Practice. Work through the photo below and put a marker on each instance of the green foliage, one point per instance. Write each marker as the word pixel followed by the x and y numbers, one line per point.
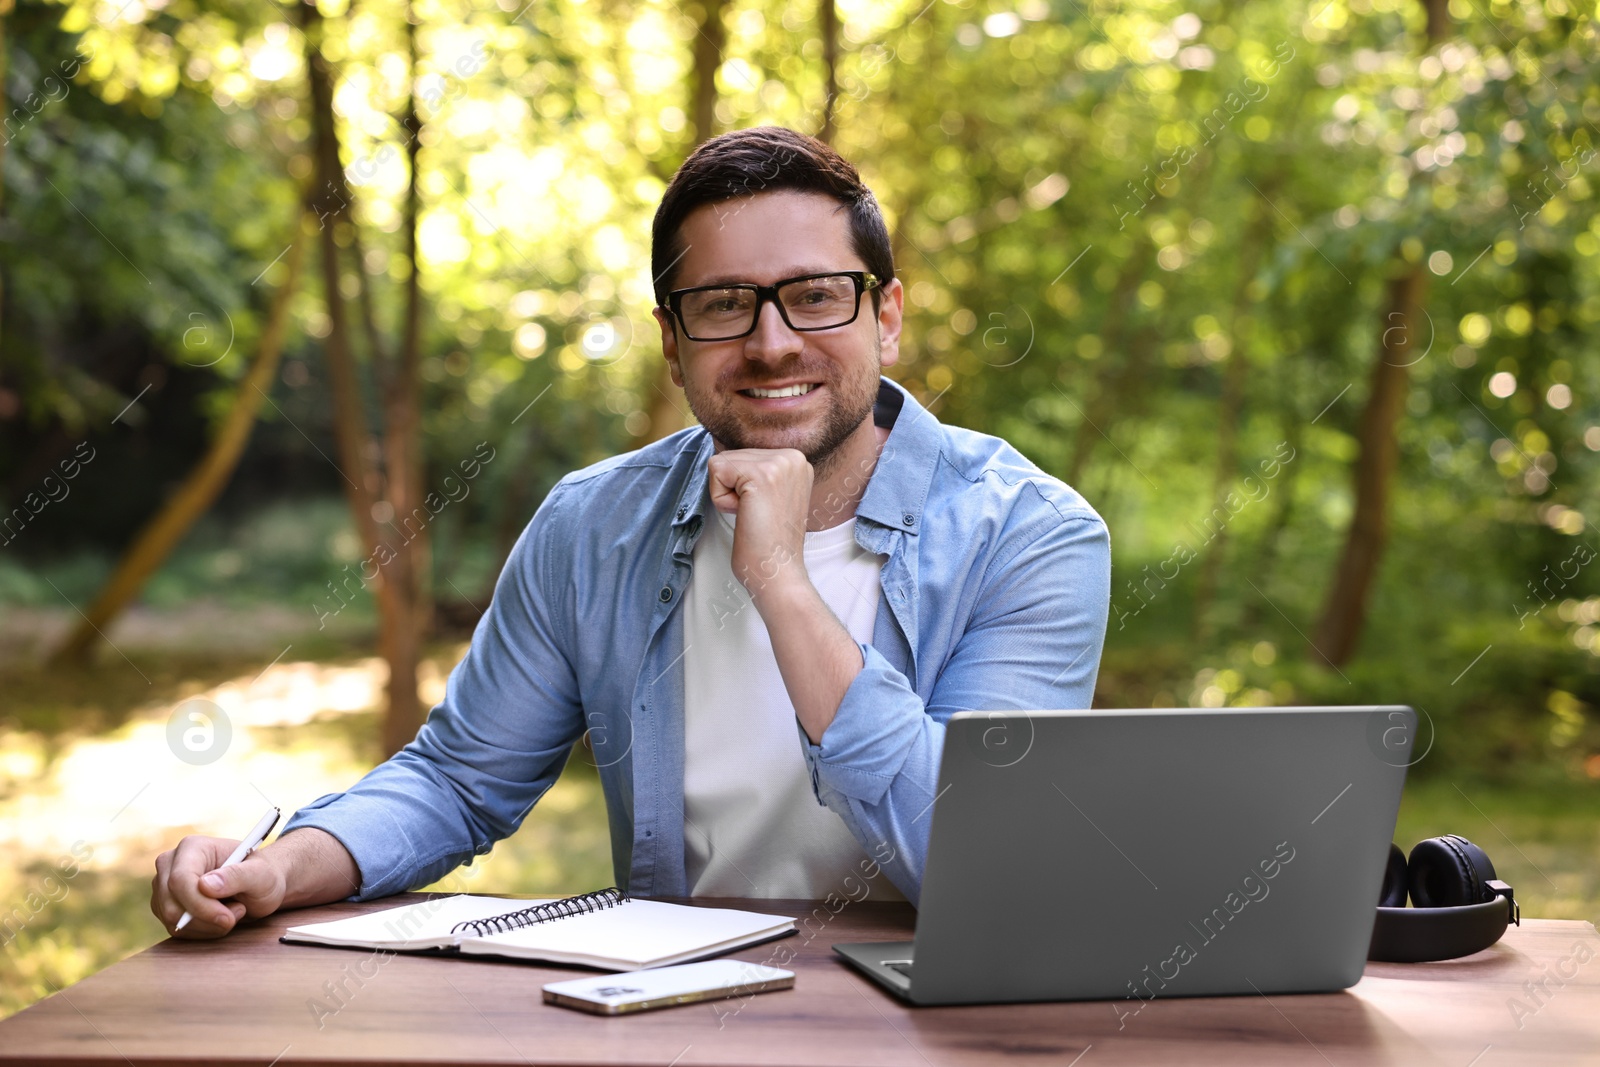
pixel 124 221
pixel 1100 215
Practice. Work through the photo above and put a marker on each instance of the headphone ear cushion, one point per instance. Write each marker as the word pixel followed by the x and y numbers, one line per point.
pixel 1393 894
pixel 1449 871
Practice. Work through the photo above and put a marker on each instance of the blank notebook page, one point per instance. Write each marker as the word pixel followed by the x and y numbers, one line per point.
pixel 640 930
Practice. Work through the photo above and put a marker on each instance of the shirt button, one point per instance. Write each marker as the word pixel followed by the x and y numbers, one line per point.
pixel 909 519
pixel 666 593
pixel 682 512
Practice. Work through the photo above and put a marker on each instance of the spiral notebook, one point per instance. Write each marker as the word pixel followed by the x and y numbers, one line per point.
pixel 607 930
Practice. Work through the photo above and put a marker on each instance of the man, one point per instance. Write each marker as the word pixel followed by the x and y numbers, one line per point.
pixel 762 624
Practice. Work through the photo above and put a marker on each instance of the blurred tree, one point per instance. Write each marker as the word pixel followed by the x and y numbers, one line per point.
pixel 184 507
pixel 383 481
pixel 5 141
pixel 666 407
pixel 1399 327
pixel 1145 244
pixel 127 275
pixel 828 23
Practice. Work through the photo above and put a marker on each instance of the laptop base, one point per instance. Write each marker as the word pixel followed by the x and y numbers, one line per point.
pixel 873 958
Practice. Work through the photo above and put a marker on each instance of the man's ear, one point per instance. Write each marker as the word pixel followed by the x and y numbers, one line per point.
pixel 669 343
pixel 891 308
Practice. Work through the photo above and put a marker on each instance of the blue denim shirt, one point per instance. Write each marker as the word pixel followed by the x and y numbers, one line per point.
pixel 995 593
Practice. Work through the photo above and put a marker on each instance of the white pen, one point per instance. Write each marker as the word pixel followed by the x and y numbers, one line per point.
pixel 247 846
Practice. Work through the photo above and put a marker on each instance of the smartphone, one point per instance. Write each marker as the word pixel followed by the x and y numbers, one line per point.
pixel 666 987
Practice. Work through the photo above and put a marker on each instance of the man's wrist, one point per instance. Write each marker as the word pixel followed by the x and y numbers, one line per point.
pixel 315 867
pixel 788 590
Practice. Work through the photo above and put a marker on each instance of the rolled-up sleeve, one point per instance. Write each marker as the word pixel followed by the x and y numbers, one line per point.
pixel 1033 643
pixel 488 751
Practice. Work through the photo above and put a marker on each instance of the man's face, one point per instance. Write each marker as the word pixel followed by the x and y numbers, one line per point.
pixel 760 240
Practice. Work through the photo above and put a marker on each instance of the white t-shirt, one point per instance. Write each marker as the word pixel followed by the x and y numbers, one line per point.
pixel 752 826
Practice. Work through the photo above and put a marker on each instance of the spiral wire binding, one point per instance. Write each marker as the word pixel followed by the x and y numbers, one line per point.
pixel 582 904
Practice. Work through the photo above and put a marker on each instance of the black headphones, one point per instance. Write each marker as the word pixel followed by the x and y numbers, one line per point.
pixel 1460 907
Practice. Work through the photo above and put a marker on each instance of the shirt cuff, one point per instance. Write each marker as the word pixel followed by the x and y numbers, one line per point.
pixel 871 734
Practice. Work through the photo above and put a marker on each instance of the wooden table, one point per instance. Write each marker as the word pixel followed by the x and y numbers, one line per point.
pixel 250 1000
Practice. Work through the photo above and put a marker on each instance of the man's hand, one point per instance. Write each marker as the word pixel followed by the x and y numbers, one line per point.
pixel 188 878
pixel 769 489
pixel 307 866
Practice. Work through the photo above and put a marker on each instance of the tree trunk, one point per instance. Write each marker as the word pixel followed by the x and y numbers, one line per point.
pixel 5 11
pixel 403 463
pixel 204 483
pixel 1345 609
pixel 377 351
pixel 397 624
pixel 1438 14
pixel 709 45
pixel 667 409
pixel 829 19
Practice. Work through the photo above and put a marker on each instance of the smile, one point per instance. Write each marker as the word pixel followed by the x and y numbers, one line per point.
pixel 800 389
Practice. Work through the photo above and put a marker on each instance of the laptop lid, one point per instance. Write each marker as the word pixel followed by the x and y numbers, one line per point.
pixel 1162 852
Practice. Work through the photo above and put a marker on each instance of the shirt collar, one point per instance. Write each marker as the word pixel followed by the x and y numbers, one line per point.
pixel 899 484
pixel 694 498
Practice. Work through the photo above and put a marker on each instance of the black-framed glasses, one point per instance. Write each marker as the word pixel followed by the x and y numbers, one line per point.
pixel 809 302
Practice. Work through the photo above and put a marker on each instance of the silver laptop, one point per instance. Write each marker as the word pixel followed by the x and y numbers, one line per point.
pixel 1131 855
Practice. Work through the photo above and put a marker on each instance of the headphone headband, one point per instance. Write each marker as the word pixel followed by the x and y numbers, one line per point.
pixel 1420 935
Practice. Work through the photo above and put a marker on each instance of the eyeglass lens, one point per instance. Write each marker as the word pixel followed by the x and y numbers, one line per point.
pixel 810 303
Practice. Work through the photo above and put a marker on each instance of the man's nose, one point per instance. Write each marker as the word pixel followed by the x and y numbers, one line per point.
pixel 772 339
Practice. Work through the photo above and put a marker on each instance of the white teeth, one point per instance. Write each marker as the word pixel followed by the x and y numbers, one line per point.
pixel 793 390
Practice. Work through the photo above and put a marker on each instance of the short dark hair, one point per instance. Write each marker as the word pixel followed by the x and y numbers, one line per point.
pixel 759 160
